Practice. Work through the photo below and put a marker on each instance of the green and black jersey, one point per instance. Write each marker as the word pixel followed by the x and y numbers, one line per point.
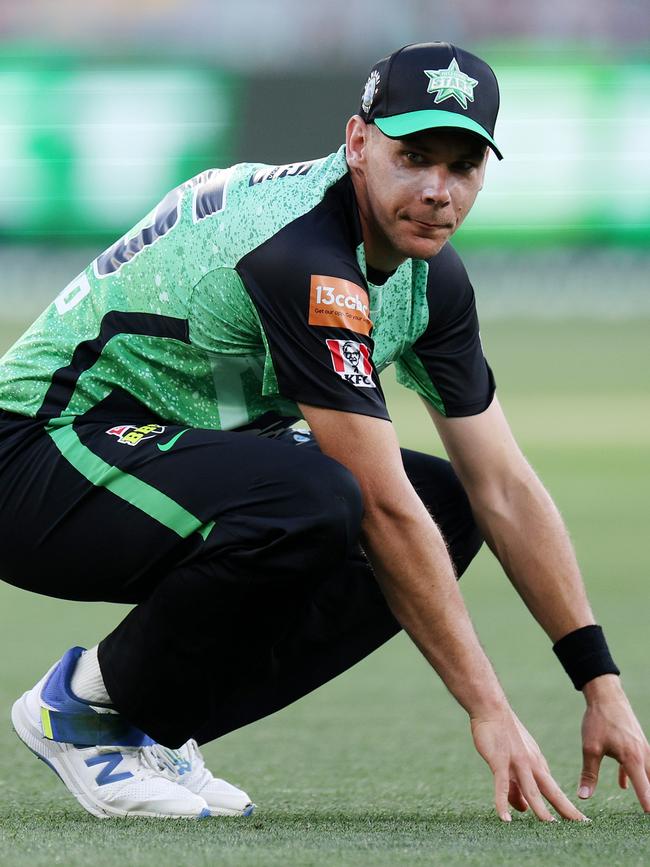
pixel 244 292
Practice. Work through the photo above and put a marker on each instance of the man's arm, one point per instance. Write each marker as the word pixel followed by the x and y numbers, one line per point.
pixel 415 573
pixel 525 531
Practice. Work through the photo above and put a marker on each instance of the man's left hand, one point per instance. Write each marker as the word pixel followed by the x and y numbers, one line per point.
pixel 610 728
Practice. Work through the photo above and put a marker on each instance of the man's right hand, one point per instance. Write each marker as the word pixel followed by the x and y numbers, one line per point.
pixel 521 774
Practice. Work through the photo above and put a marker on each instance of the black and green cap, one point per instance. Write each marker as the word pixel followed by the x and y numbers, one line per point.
pixel 430 85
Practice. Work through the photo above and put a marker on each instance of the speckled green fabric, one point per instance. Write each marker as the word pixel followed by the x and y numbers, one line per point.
pixel 223 376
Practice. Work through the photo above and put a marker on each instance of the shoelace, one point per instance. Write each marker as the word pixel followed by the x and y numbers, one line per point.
pixel 175 765
pixel 146 763
pixel 168 761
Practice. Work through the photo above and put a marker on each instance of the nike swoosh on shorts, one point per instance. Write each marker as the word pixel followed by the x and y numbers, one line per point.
pixel 164 447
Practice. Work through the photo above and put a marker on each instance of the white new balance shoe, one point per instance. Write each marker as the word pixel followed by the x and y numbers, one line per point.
pixel 121 778
pixel 186 765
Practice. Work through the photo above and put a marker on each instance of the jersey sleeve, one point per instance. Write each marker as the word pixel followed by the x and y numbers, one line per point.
pixel 446 365
pixel 312 302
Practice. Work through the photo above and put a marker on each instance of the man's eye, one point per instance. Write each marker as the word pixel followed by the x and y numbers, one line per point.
pixel 412 157
pixel 464 166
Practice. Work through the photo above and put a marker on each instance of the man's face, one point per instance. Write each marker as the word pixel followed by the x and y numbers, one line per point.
pixel 413 193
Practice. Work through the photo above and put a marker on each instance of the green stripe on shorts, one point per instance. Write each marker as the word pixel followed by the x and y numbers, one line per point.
pixel 140 494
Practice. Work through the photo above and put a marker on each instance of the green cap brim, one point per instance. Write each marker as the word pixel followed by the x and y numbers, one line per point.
pixel 400 125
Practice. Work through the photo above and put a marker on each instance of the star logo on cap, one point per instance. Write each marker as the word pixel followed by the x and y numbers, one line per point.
pixel 451 82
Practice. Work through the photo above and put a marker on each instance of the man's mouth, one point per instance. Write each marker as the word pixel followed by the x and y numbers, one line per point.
pixel 428 225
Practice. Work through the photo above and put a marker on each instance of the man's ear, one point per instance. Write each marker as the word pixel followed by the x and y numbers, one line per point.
pixel 357 134
pixel 485 159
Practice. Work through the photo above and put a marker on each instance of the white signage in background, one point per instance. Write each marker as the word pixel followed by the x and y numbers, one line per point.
pixel 541 130
pixel 133 127
pixel 22 169
pixel 575 160
pixel 629 141
pixel 89 149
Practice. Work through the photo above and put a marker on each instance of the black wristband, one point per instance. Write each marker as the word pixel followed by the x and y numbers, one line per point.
pixel 584 655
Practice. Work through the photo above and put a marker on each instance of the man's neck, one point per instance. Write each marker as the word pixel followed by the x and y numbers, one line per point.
pixel 380 255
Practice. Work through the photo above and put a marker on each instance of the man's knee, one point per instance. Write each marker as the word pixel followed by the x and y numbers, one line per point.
pixel 458 525
pixel 301 517
pixel 442 493
pixel 332 496
pixel 464 549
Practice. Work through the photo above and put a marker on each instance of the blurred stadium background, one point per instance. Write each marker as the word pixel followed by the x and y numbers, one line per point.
pixel 106 106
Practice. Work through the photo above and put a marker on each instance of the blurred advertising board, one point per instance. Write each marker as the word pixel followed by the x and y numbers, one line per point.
pixel 88 146
pixel 576 162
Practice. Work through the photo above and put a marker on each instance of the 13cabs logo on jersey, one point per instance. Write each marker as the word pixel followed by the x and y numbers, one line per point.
pixel 339 304
pixel 130 435
pixel 351 360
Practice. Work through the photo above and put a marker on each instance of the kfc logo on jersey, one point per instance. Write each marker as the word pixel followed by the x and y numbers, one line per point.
pixel 339 304
pixel 130 435
pixel 351 360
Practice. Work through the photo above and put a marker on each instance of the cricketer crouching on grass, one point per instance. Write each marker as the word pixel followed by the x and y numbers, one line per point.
pixel 155 398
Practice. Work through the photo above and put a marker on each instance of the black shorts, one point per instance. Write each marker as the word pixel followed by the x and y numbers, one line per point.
pixel 239 552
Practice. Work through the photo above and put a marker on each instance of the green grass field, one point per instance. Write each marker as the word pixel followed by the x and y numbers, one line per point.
pixel 377 768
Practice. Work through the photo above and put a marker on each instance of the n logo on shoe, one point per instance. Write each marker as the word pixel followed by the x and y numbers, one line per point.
pixel 106 775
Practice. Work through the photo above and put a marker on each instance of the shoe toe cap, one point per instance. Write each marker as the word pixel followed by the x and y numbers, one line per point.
pixel 226 800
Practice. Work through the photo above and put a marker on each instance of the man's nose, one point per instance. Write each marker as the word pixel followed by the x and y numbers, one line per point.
pixel 436 190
